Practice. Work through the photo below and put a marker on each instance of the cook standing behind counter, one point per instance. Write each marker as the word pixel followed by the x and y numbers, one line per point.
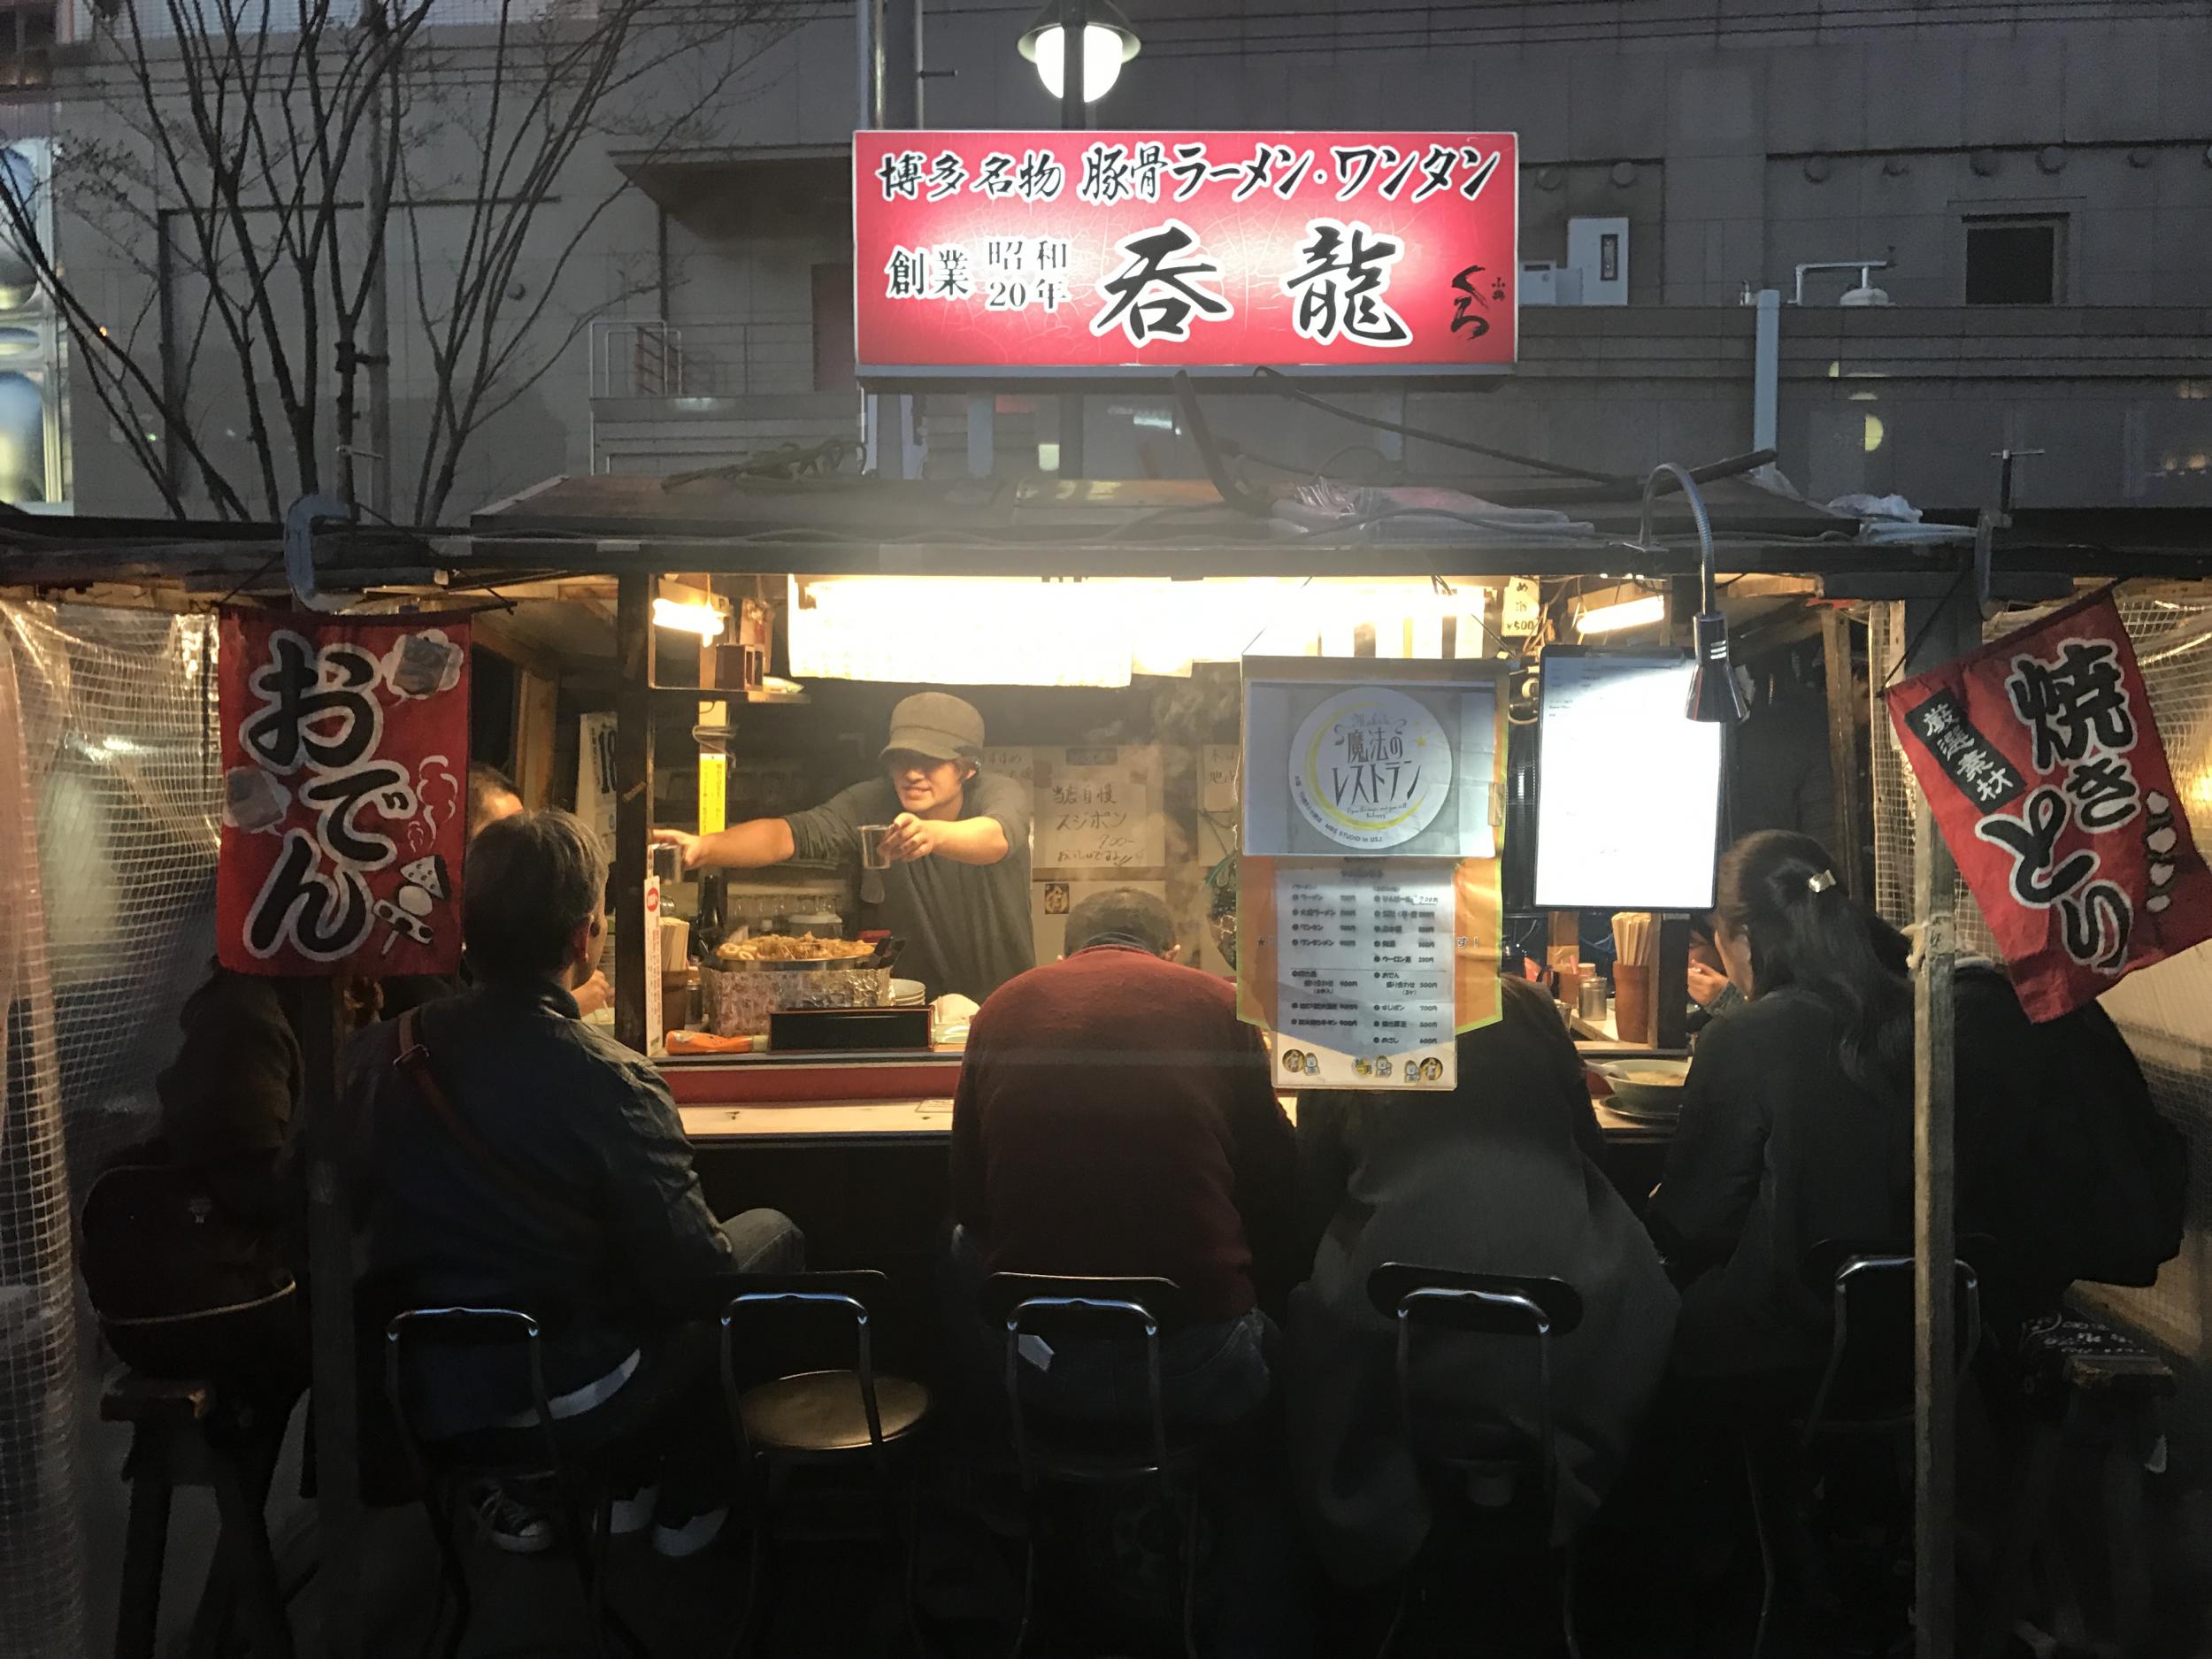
pixel 956 839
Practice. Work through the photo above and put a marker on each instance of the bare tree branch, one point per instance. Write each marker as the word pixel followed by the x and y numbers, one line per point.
pixel 256 161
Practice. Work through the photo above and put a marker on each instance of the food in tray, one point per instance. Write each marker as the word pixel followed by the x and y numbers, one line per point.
pixel 794 948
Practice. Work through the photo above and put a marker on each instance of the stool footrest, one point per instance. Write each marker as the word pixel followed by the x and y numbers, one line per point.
pixel 134 1399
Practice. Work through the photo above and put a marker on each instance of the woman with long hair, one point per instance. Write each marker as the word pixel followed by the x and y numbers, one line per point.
pixel 1796 1123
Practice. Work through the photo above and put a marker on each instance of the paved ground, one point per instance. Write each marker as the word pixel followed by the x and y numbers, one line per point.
pixel 842 1601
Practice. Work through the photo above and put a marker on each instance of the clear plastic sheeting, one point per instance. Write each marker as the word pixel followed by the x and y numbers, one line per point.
pixel 109 793
pixel 2161 1009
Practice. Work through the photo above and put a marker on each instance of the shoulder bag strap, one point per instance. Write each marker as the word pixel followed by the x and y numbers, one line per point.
pixel 413 1063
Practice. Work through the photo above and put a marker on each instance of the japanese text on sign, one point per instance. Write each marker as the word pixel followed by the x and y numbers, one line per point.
pixel 1188 250
pixel 345 751
pixel 2042 761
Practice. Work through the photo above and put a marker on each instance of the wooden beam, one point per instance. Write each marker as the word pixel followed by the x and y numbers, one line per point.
pixel 537 719
pixel 1939 630
pixel 1846 835
pixel 496 634
pixel 634 801
pixel 317 1009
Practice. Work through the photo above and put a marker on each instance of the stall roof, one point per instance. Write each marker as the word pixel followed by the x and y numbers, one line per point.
pixel 596 527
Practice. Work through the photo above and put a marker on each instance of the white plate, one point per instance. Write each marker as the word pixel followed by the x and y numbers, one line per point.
pixel 908 992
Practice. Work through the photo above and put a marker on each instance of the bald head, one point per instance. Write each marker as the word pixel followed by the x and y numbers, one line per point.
pixel 492 797
pixel 1121 916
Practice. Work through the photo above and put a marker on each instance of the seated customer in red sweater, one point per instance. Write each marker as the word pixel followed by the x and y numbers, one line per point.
pixel 1115 1119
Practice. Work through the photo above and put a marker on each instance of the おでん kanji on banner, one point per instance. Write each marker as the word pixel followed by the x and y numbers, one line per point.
pixel 2043 763
pixel 345 793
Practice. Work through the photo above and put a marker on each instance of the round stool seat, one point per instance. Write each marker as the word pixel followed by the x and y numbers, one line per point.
pixel 823 1411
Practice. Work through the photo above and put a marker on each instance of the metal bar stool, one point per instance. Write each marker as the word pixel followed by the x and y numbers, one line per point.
pixel 1866 1386
pixel 1049 1449
pixel 581 1489
pixel 822 1418
pixel 1444 1300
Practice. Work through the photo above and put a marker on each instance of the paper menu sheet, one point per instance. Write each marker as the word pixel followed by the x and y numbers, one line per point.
pixel 1364 972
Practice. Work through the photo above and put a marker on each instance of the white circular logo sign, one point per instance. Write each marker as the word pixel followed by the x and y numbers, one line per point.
pixel 1371 768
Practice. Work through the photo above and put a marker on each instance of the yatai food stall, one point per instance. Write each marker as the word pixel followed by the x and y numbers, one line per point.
pixel 1115 676
pixel 1150 661
pixel 563 584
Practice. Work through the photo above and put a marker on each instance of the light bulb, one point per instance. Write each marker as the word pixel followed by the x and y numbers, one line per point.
pixel 1101 60
pixel 1630 613
pixel 702 619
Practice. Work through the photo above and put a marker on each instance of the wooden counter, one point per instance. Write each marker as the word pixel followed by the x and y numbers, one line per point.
pixel 917 1119
pixel 867 1178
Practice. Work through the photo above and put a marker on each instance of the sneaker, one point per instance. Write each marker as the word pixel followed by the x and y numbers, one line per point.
pixel 510 1524
pixel 676 1540
pixel 634 1513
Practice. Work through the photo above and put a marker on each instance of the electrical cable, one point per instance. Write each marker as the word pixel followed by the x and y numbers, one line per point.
pixel 1290 388
pixel 1912 648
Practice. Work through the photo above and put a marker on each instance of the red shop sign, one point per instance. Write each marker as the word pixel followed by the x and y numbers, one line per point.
pixel 1097 254
pixel 345 768
pixel 2041 758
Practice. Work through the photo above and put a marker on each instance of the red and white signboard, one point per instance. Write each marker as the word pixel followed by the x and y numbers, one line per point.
pixel 1009 255
pixel 345 793
pixel 2043 763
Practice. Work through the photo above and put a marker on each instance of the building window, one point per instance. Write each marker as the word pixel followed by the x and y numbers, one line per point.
pixel 26 42
pixel 2016 261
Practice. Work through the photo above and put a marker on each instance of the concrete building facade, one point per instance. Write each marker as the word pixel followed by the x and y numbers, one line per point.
pixel 2037 180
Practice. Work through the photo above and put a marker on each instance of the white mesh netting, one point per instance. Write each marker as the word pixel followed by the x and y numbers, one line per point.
pixel 2164 1010
pixel 108 832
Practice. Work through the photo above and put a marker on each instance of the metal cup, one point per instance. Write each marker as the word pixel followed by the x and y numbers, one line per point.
pixel 873 862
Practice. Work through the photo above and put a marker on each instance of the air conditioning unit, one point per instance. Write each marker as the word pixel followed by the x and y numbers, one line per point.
pixel 1597 251
pixel 1544 283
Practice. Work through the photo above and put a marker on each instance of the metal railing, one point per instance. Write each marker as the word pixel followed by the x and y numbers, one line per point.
pixel 648 358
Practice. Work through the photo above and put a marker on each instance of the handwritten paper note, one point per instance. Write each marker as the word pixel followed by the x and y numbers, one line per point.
pixel 1218 778
pixel 1098 810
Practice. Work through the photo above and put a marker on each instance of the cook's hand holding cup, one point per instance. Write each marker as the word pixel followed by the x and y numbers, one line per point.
pixel 907 838
pixel 690 846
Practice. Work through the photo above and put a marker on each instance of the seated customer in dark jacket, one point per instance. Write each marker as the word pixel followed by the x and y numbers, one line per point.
pixel 567 1191
pixel 1115 1119
pixel 1796 1125
pixel 2063 1161
pixel 1495 1176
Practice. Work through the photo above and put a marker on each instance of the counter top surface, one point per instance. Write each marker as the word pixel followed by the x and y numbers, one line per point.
pixel 929 1118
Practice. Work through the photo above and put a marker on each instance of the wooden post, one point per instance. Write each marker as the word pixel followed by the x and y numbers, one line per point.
pixel 1846 839
pixel 537 723
pixel 1075 117
pixel 1670 982
pixel 632 799
pixel 319 1021
pixel 1939 630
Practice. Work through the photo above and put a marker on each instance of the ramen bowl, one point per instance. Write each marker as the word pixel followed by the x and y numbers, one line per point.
pixel 1650 1088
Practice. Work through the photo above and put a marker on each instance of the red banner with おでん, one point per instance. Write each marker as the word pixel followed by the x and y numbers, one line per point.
pixel 1072 254
pixel 2042 762
pixel 345 793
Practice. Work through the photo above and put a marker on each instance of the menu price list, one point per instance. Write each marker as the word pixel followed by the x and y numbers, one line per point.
pixel 1364 964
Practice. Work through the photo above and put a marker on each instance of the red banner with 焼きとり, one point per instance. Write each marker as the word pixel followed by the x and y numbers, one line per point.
pixel 1093 253
pixel 345 793
pixel 2043 764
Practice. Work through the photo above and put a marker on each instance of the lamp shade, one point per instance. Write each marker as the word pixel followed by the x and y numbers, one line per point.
pixel 1715 696
pixel 1108 43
